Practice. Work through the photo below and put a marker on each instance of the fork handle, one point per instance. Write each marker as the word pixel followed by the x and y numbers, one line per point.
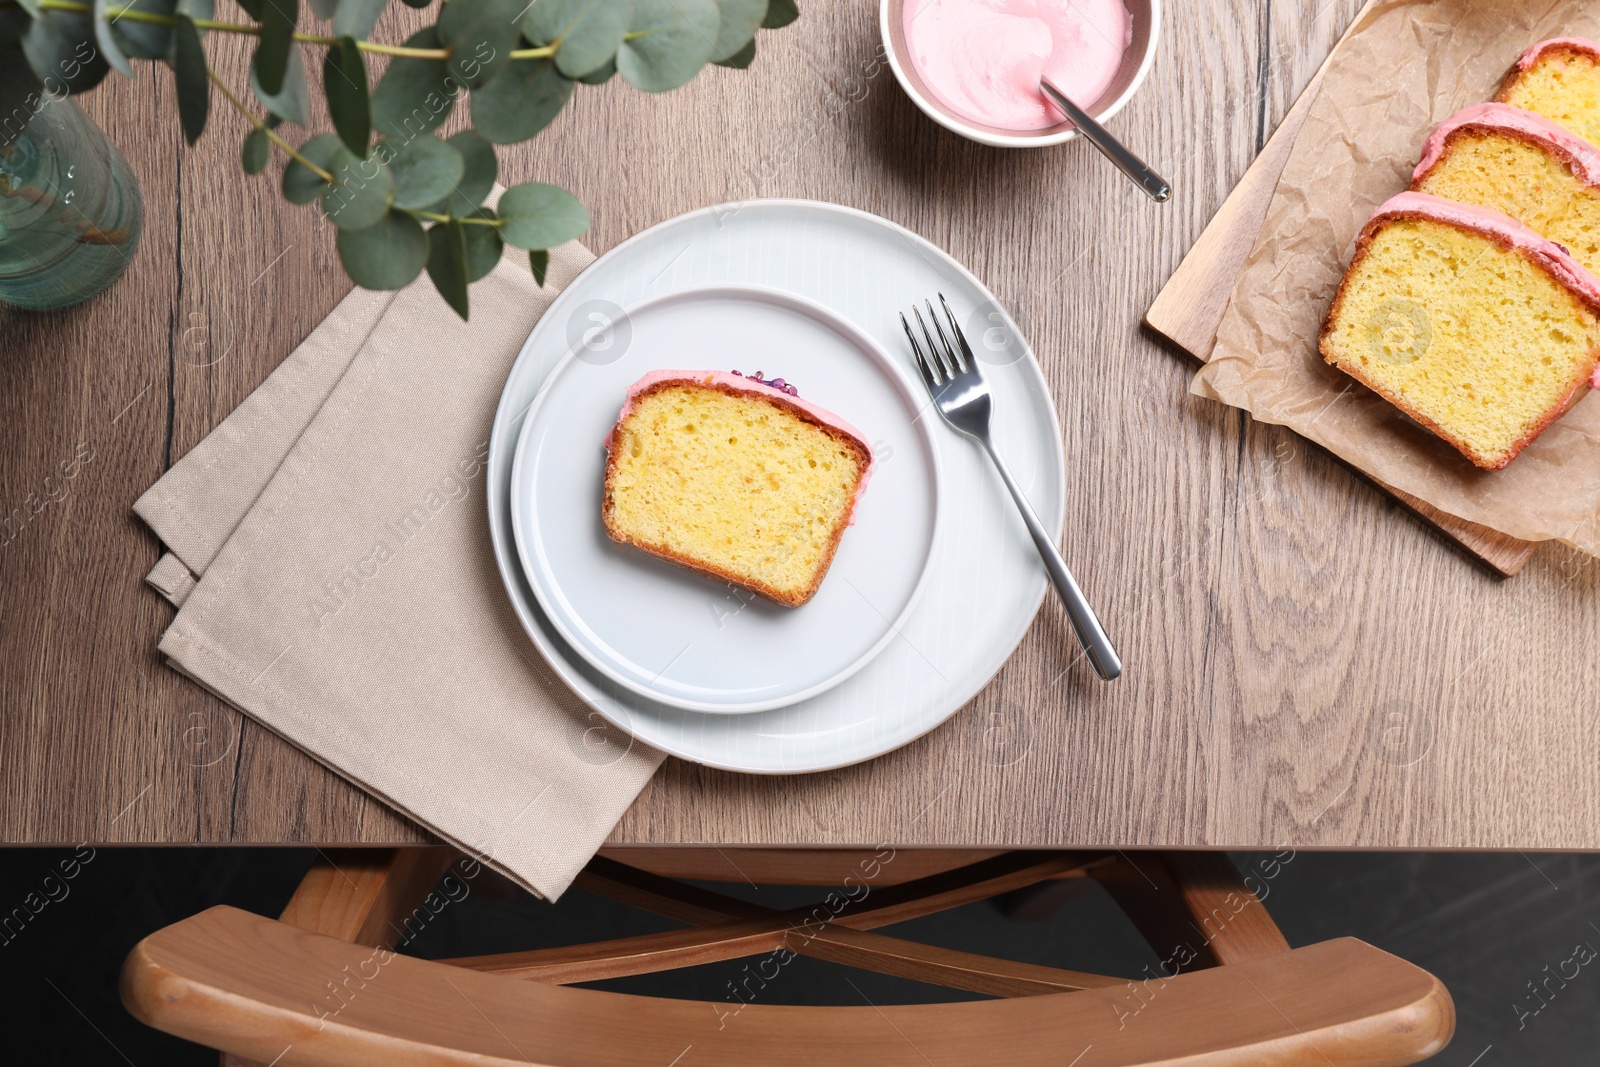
pixel 1096 645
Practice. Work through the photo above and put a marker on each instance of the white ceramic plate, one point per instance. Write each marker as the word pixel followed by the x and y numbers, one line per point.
pixel 684 639
pixel 985 581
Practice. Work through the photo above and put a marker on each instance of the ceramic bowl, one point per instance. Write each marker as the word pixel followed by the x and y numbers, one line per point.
pixel 1135 65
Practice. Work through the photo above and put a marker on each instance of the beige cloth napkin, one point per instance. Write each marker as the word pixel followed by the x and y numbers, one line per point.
pixel 348 597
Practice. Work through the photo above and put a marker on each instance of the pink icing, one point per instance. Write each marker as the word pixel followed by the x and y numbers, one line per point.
pixel 1582 44
pixel 1503 117
pixel 983 58
pixel 741 384
pixel 1549 255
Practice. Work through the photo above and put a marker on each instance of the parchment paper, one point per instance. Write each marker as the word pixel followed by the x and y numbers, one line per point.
pixel 1406 68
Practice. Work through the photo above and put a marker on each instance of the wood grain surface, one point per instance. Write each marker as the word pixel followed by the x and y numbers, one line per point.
pixel 1309 665
pixel 1190 307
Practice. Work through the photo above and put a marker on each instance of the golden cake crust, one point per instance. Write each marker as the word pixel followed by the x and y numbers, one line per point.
pixel 859 448
pixel 1470 131
pixel 1518 71
pixel 1368 234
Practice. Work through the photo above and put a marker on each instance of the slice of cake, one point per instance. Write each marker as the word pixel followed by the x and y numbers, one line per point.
pixel 1522 165
pixel 1559 79
pixel 1468 321
pixel 735 477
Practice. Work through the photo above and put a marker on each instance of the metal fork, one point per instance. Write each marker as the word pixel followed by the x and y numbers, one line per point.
pixel 962 397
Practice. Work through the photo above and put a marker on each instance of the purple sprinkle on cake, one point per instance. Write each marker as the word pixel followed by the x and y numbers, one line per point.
pixel 776 383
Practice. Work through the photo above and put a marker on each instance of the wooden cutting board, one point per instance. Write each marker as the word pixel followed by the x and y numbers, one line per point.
pixel 1189 309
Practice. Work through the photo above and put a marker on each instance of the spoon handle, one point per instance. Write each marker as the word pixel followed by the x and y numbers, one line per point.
pixel 1155 186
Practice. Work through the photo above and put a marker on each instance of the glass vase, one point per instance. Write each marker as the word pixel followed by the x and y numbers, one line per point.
pixel 70 213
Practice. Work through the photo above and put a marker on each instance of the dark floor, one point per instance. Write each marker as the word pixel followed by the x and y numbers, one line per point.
pixel 1490 926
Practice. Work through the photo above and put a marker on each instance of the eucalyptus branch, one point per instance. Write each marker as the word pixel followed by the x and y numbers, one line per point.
pixel 131 14
pixel 260 124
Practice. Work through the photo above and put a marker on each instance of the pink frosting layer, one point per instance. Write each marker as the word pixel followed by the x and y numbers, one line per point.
pixel 1507 119
pixel 1582 44
pixel 1545 252
pixel 766 392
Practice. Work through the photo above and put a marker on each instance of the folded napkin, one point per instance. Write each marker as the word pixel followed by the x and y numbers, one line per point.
pixel 347 594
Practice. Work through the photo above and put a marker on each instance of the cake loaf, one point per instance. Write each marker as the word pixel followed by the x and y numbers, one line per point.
pixel 1522 165
pixel 1559 79
pixel 1468 321
pixel 735 477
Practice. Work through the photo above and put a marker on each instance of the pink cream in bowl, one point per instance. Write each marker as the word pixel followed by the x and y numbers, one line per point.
pixel 983 58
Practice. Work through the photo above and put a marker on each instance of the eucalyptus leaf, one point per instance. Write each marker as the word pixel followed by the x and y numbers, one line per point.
pixel 669 41
pixel 253 8
pixel 198 10
pixel 415 95
pixel 29 8
pixel 344 82
pixel 447 263
pixel 60 48
pixel 425 170
pixel 601 74
pixel 20 93
pixel 739 23
pixel 256 152
pixel 109 46
pixel 587 33
pixel 539 260
pixel 355 18
pixel 189 75
pixel 780 13
pixel 521 102
pixel 290 103
pixel 418 3
pixel 483 244
pixel 271 62
pixel 386 255
pixel 301 185
pixel 742 58
pixel 480 35
pixel 478 178
pixel 536 215
pixel 324 9
pixel 359 195
pixel 142 40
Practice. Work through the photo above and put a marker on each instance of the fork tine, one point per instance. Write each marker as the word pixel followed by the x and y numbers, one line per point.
pixel 943 373
pixel 961 337
pixel 949 349
pixel 916 351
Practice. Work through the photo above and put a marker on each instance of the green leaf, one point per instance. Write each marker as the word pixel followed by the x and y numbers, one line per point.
pixel 780 13
pixel 483 245
pixel 355 18
pixel 521 102
pixel 425 170
pixel 142 40
pixel 109 46
pixel 29 8
pixel 359 195
pixel 256 152
pixel 253 8
pixel 418 3
pixel 601 74
pixel 535 215
pixel 386 255
pixel 290 103
pixel 539 259
pixel 189 74
pixel 669 41
pixel 324 9
pixel 447 262
pixel 415 95
pixel 587 33
pixel 60 48
pixel 480 35
pixel 20 89
pixel 739 21
pixel 300 185
pixel 344 81
pixel 476 180
pixel 742 58
pixel 277 41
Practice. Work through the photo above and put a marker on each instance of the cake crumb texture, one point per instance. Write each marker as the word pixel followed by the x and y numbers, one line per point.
pixel 1563 85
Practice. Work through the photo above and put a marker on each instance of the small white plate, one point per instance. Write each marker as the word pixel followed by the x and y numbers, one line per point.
pixel 670 634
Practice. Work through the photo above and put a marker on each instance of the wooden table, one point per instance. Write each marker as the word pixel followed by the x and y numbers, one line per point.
pixel 1308 663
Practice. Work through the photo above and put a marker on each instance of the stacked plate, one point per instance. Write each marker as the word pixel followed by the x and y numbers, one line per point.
pixel 932 587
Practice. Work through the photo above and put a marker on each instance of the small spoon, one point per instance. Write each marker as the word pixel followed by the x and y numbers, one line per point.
pixel 1155 186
